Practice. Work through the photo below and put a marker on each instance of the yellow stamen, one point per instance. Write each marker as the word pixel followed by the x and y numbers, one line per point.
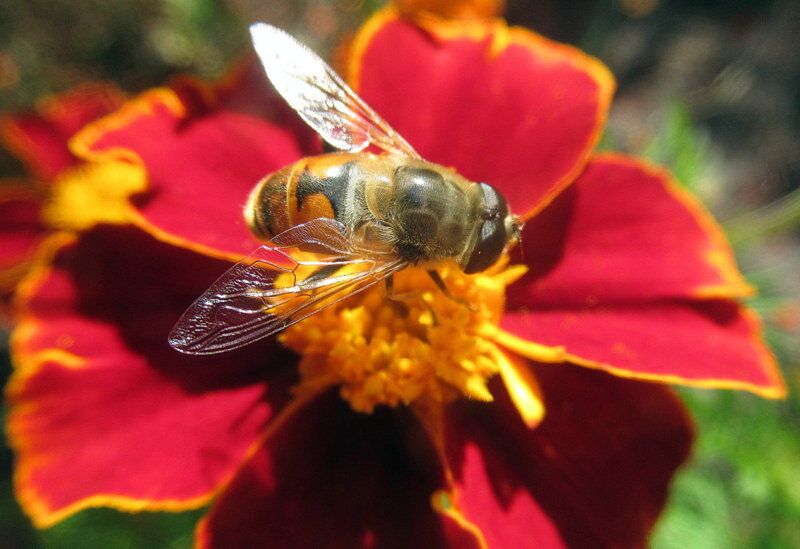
pixel 523 389
pixel 424 348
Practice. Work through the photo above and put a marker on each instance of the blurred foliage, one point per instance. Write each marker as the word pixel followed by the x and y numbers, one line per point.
pixel 708 88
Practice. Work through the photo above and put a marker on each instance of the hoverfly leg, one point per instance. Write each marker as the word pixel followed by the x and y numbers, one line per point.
pixel 323 272
pixel 406 296
pixel 309 283
pixel 400 299
pixel 446 291
pixel 306 286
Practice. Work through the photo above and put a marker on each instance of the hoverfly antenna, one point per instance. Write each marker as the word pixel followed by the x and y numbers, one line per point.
pixel 518 226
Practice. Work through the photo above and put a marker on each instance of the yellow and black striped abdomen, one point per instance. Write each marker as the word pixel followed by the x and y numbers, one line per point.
pixel 310 188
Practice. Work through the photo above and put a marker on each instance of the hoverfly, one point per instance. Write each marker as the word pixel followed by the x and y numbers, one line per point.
pixel 364 216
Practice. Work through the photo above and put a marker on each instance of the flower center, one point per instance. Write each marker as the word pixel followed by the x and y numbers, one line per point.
pixel 421 344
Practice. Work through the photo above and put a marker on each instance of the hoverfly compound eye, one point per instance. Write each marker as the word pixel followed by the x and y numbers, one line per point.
pixel 493 234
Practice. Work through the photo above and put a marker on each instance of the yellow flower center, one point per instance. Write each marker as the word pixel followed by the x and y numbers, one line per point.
pixel 91 193
pixel 422 344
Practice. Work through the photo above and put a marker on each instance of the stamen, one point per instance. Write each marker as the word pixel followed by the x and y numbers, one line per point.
pixel 429 347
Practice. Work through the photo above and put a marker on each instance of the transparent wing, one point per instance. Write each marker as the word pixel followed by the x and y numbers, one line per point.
pixel 322 235
pixel 317 93
pixel 246 305
pixel 262 294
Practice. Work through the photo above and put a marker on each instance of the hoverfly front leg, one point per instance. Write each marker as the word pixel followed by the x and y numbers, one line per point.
pixel 446 291
pixel 400 299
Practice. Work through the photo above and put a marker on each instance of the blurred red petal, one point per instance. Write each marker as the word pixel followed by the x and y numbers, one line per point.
pixel 595 473
pixel 501 105
pixel 714 343
pixel 623 232
pixel 40 138
pixel 329 477
pixel 103 411
pixel 204 149
pixel 21 229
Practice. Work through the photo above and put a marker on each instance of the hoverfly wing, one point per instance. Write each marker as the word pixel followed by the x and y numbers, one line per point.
pixel 261 295
pixel 322 235
pixel 226 315
pixel 320 97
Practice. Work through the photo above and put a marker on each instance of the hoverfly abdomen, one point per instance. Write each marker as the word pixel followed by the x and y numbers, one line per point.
pixel 308 189
pixel 266 208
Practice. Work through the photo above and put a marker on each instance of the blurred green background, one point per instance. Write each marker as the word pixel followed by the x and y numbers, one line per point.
pixel 709 88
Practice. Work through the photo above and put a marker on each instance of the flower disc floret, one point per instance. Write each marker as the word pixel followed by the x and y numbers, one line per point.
pixel 420 344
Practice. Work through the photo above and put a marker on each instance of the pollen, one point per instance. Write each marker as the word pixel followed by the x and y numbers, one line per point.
pixel 419 344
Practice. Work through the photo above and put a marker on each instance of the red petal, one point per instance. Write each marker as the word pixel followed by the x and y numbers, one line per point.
pixel 103 411
pixel 503 106
pixel 623 232
pixel 204 149
pixel 706 344
pixel 329 477
pixel 40 138
pixel 594 473
pixel 617 263
pixel 21 230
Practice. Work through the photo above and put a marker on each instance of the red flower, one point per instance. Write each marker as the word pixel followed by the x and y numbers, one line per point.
pixel 39 139
pixel 624 274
